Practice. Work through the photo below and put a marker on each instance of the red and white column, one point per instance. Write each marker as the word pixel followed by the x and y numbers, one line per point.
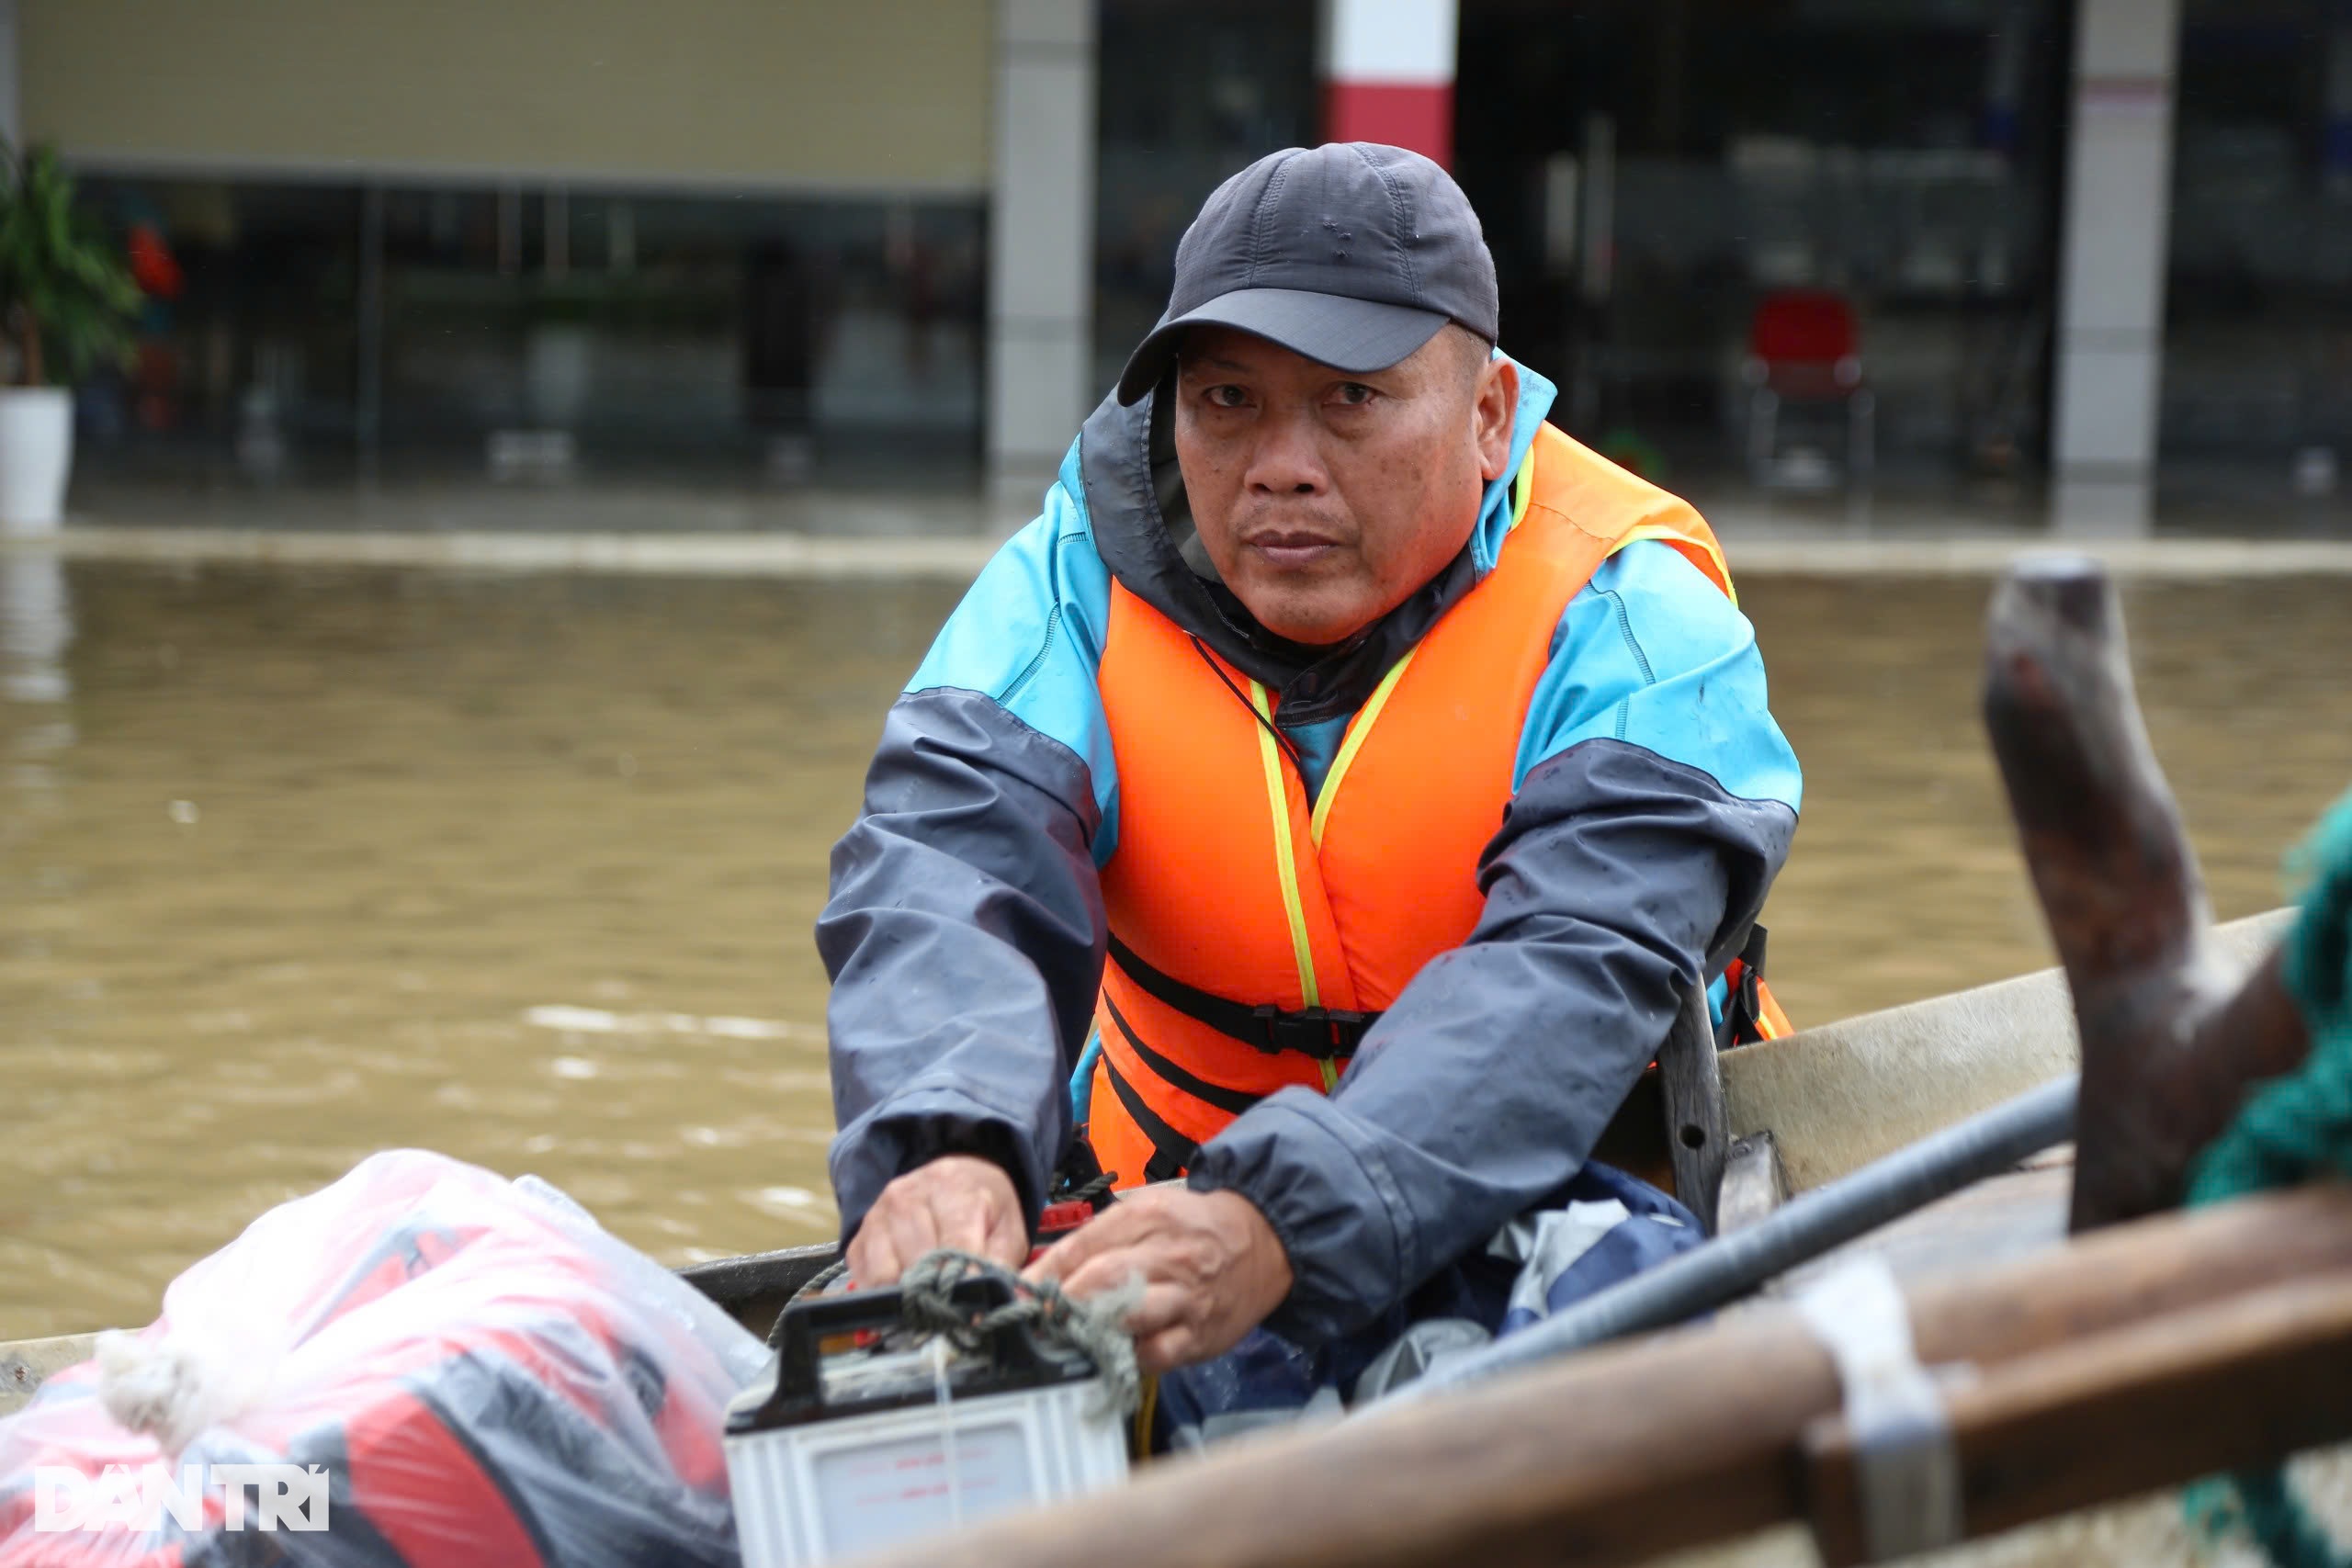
pixel 1389 73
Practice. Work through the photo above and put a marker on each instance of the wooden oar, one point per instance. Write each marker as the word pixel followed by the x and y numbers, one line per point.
pixel 2169 1042
pixel 2099 1418
pixel 1658 1444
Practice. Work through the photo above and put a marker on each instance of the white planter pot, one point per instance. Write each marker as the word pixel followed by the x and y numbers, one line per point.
pixel 36 454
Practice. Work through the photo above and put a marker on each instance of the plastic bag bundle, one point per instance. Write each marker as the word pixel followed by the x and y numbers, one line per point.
pixel 459 1369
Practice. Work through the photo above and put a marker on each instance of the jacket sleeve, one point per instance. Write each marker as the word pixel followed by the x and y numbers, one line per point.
pixel 1656 802
pixel 965 931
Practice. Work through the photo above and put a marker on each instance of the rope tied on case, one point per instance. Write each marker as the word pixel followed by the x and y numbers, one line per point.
pixel 1094 1328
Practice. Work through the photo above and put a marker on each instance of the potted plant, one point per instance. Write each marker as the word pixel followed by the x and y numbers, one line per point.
pixel 66 299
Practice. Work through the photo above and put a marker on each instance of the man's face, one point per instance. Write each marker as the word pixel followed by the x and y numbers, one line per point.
pixel 1325 497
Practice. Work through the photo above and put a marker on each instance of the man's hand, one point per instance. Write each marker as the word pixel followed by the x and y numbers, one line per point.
pixel 1211 1266
pixel 958 1200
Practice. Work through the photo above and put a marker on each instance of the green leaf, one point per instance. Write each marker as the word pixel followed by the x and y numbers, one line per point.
pixel 61 276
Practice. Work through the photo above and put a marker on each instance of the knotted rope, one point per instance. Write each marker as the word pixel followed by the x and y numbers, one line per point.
pixel 1094 1328
pixel 2291 1129
pixel 815 1285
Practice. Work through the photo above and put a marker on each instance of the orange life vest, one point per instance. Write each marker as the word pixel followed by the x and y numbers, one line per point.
pixel 1255 934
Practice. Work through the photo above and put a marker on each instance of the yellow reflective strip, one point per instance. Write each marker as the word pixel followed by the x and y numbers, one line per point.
pixel 1147 1407
pixel 1330 1074
pixel 1526 483
pixel 1354 742
pixel 1278 798
pixel 1659 531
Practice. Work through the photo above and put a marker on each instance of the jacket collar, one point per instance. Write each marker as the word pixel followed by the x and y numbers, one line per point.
pixel 1143 528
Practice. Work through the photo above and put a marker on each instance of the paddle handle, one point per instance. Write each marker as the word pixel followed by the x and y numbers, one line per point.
pixel 2169 1046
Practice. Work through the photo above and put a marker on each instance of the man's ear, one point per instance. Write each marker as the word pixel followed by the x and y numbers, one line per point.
pixel 1493 413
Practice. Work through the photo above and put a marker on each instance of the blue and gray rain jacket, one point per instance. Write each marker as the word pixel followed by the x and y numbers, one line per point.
pixel 1655 799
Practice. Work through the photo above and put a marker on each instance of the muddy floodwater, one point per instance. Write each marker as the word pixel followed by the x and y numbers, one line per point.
pixel 299 864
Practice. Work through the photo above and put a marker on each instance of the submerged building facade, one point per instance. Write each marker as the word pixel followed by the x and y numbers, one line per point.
pixel 1918 246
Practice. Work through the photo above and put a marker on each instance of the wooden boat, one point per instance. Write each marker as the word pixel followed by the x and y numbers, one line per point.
pixel 1715 1434
pixel 1833 1098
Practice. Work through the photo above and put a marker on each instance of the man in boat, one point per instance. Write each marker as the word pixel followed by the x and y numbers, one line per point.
pixel 1328 800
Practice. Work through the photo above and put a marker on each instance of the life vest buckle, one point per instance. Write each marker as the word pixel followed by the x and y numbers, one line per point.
pixel 1325 1033
pixel 1745 1013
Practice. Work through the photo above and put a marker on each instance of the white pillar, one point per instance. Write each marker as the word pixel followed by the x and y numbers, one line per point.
pixel 1041 234
pixel 2112 266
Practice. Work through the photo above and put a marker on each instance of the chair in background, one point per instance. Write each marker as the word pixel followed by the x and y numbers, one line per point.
pixel 1804 347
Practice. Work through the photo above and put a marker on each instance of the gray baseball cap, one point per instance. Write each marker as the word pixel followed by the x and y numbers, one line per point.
pixel 1353 253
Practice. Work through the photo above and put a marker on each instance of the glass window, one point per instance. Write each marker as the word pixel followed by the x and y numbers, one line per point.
pixel 249 286
pixel 1191 91
pixel 2258 323
pixel 701 332
pixel 1786 242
